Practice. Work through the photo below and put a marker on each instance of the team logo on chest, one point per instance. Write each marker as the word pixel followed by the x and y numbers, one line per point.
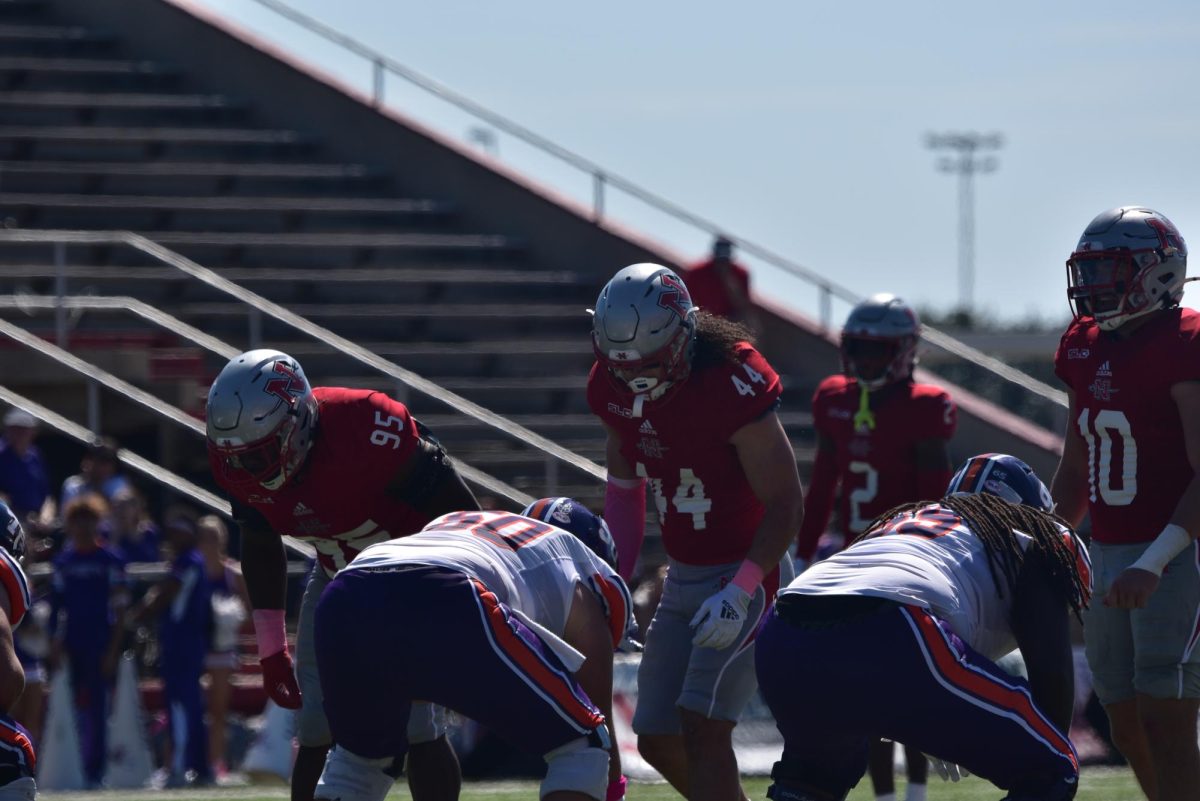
pixel 1101 386
pixel 648 442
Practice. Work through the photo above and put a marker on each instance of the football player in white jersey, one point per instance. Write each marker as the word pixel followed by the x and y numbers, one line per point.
pixel 525 615
pixel 906 625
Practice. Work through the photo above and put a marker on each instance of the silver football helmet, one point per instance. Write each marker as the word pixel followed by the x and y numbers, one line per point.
pixel 879 341
pixel 1129 262
pixel 261 417
pixel 644 318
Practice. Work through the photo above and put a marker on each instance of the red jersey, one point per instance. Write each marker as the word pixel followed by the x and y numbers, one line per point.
pixel 680 443
pixel 875 467
pixel 338 501
pixel 1137 464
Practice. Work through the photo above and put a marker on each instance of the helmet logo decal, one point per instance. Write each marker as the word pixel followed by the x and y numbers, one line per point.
pixel 288 388
pixel 673 299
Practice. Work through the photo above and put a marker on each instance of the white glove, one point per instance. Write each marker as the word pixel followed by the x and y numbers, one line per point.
pixel 947 770
pixel 720 618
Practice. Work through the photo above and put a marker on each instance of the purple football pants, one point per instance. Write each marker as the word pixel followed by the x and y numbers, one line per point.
pixel 389 636
pixel 899 673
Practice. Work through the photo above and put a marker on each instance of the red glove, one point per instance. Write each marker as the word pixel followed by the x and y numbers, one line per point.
pixel 279 679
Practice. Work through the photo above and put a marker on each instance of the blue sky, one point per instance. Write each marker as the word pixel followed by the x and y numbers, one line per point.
pixel 801 126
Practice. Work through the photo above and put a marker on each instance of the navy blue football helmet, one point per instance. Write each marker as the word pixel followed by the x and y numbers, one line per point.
pixel 571 515
pixel 12 536
pixel 1004 476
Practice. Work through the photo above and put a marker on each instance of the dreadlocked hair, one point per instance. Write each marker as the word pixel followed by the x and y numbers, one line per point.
pixel 993 521
pixel 716 339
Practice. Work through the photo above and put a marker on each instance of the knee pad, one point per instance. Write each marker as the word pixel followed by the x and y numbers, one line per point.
pixel 579 767
pixel 349 777
pixel 788 783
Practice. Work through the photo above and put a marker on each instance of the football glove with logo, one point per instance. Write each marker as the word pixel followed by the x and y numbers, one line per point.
pixel 721 617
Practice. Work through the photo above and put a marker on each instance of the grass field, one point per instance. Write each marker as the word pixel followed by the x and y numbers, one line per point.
pixel 1096 784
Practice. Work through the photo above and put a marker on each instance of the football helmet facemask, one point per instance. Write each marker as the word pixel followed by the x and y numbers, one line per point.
pixel 879 341
pixel 261 418
pixel 1129 262
pixel 644 328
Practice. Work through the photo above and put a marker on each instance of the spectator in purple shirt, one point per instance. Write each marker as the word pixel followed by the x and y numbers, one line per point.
pixel 87 600
pixel 23 476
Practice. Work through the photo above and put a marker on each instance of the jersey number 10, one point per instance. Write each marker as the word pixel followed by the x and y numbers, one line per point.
pixel 1117 484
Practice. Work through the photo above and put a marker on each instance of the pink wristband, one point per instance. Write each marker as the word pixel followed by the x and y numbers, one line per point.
pixel 616 790
pixel 269 631
pixel 748 577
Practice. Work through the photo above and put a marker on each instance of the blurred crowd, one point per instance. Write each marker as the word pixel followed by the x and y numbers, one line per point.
pixel 110 578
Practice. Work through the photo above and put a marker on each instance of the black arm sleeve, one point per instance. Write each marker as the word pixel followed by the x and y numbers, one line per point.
pixel 1041 623
pixel 430 483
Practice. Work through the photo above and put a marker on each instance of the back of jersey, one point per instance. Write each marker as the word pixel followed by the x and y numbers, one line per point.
pixel 927 557
pixel 530 566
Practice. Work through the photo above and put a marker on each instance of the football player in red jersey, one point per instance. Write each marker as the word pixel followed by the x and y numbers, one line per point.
pixel 881 441
pixel 1131 363
pixel 689 405
pixel 340 469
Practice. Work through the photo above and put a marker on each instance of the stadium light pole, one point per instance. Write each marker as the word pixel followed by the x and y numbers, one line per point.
pixel 967 158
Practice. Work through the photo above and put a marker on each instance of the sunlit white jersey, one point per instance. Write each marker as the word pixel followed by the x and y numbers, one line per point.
pixel 531 566
pixel 927 557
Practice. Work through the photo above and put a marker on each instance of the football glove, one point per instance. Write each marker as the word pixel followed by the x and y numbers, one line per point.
pixel 279 679
pixel 947 770
pixel 721 617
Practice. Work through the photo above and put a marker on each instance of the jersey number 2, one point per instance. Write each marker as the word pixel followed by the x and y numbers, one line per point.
pixel 864 494
pixel 1117 484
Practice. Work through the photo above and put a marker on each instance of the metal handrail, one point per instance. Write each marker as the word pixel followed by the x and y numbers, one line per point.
pixel 602 178
pixel 182 329
pixel 261 305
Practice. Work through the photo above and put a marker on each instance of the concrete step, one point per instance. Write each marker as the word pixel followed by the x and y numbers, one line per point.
pixel 220 213
pixel 190 177
pixel 40 73
pixel 100 142
pixel 118 108
pixel 36 38
pixel 405 320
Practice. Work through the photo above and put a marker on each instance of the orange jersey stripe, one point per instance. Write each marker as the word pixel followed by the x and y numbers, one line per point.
pixel 982 687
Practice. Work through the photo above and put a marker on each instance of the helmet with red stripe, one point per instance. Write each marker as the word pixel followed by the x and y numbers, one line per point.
pixel 1130 261
pixel 571 515
pixel 1004 476
pixel 644 329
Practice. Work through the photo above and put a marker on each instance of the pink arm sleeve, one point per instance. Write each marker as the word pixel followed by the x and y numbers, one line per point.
pixel 625 514
pixel 270 631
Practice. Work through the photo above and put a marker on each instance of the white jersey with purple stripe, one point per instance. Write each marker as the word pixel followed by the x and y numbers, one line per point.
pixel 926 557
pixel 529 565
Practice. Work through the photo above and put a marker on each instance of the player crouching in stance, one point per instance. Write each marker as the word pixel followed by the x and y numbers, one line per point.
pixel 17 761
pixel 506 619
pixel 899 633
